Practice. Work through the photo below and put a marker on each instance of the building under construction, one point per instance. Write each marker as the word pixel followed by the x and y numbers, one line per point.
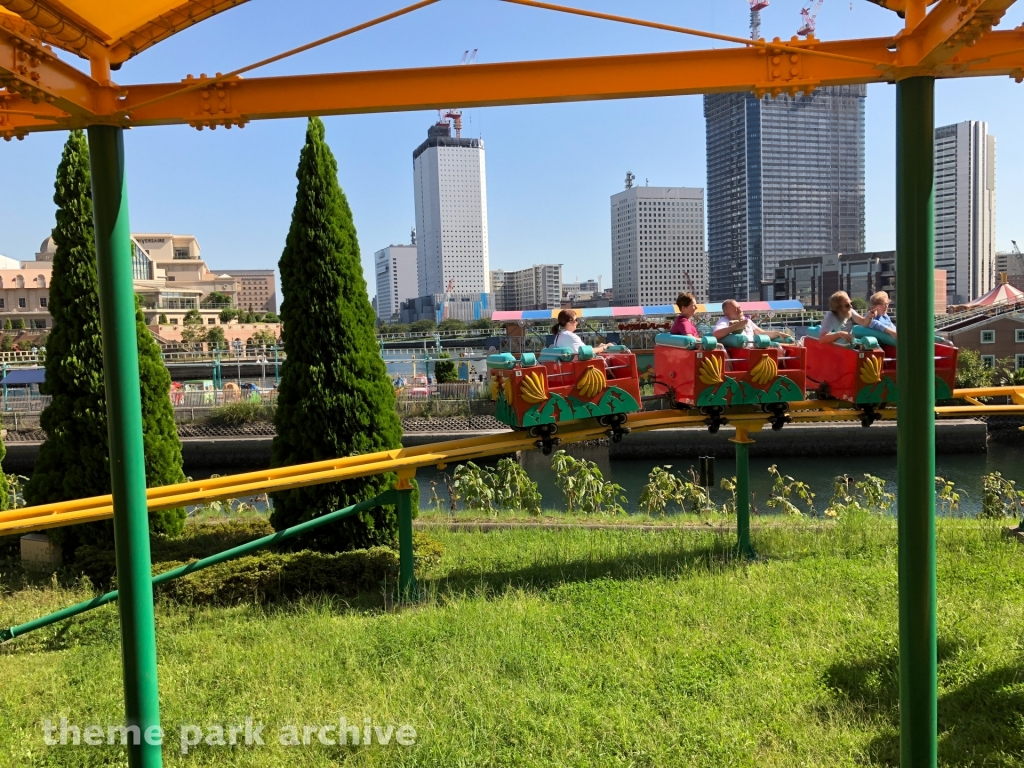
pixel 785 178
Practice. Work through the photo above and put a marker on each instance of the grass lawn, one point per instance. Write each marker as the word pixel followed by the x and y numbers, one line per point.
pixel 565 647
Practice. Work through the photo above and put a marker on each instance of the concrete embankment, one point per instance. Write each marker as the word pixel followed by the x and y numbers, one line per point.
pixel 203 455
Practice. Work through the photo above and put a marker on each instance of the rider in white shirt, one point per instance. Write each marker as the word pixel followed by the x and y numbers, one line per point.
pixel 565 333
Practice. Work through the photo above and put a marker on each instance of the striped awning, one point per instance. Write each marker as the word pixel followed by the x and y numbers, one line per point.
pixel 654 311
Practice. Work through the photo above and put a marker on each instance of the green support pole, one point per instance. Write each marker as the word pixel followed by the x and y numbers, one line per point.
pixel 407 589
pixel 742 442
pixel 915 427
pixel 127 457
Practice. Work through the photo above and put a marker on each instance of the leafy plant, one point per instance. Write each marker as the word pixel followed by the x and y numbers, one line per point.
pixel 513 488
pixel 972 372
pixel 728 484
pixel 584 486
pixel 474 486
pixel 664 488
pixel 947 498
pixel 1000 497
pixel 784 488
pixel 865 496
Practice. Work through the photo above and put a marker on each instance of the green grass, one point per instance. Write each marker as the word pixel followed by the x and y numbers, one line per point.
pixel 568 647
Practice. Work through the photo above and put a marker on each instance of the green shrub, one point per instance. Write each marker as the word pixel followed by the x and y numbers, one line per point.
pixel 195 543
pixel 266 577
pixel 444 369
pixel 427 551
pixel 242 412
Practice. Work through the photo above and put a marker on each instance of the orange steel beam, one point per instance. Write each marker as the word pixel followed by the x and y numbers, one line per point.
pixel 67 98
pixel 950 26
pixel 531 82
pixel 37 82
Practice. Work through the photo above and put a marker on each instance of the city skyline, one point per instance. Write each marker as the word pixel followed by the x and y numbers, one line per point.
pixel 551 167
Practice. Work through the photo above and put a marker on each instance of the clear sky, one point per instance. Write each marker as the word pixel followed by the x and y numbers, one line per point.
pixel 550 168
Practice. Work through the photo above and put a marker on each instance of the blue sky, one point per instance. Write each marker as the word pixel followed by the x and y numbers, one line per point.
pixel 550 168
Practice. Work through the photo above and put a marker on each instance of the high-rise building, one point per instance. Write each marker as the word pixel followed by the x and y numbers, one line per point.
pixel 536 287
pixel 658 245
pixel 965 209
pixel 397 281
pixel 449 178
pixel 785 179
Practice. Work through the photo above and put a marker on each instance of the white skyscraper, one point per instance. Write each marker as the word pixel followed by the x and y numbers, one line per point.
pixel 397 281
pixel 965 209
pixel 451 214
pixel 658 245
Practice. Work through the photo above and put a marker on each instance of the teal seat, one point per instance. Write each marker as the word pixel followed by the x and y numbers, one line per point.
pixel 676 340
pixel 557 355
pixel 883 338
pixel 504 361
pixel 616 348
pixel 865 342
pixel 735 340
pixel 527 359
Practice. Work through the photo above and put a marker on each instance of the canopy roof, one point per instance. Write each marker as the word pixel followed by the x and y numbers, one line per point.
pixel 660 309
pixel 117 28
pixel 1004 293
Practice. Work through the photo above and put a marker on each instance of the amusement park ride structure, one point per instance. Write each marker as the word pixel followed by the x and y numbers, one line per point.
pixel 42 92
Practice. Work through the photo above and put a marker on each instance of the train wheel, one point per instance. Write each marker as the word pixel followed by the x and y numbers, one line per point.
pixel 714 418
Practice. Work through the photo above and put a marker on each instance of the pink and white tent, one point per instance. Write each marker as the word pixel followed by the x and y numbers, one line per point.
pixel 1004 293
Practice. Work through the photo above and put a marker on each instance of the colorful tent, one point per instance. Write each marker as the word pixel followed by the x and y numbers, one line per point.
pixel 1004 293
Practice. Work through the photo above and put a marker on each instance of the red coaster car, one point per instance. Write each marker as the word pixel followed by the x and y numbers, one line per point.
pixel 564 387
pixel 865 373
pixel 706 374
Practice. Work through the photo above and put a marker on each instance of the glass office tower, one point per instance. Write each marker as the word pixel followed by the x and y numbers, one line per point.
pixel 785 179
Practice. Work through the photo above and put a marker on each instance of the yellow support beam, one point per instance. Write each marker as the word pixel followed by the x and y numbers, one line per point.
pixel 405 461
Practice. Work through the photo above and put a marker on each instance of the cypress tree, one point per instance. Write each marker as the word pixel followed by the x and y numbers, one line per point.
pixel 159 432
pixel 335 397
pixel 74 461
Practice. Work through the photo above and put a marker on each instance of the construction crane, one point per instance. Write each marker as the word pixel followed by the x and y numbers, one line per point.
pixel 1018 256
pixel 809 13
pixel 455 115
pixel 756 6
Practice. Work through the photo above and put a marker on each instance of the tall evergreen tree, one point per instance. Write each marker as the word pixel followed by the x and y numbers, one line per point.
pixel 74 460
pixel 335 398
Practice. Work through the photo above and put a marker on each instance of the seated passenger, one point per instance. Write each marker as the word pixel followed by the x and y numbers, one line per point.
pixel 736 322
pixel 565 333
pixel 878 314
pixel 837 324
pixel 683 326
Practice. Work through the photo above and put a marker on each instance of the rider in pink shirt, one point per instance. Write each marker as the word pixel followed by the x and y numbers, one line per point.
pixel 683 326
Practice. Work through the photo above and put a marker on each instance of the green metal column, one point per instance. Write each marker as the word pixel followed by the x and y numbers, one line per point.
pixel 915 428
pixel 407 589
pixel 742 442
pixel 127 459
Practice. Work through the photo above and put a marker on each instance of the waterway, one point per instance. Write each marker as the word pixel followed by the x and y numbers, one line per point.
pixel 965 471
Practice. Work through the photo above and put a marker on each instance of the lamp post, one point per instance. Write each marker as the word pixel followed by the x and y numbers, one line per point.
pixel 237 344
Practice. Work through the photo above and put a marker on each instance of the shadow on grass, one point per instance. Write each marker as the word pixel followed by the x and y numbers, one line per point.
pixel 979 721
pixel 543 576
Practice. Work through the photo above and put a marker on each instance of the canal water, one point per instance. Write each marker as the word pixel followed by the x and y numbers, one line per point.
pixel 964 470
